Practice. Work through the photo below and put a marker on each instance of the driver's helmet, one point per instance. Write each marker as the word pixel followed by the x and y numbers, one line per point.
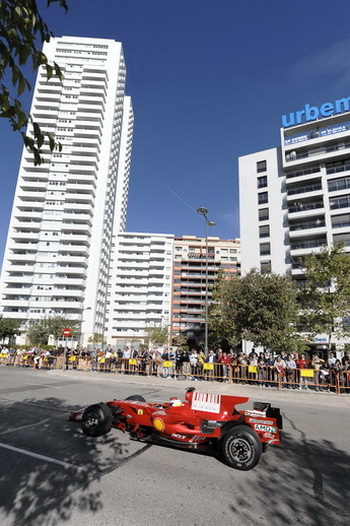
pixel 175 402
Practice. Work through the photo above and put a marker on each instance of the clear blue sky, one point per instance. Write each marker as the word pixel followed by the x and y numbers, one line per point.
pixel 210 80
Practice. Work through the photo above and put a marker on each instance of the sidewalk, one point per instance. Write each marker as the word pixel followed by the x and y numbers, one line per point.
pixel 251 391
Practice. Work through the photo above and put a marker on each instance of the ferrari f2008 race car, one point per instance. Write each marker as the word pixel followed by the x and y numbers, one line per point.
pixel 202 421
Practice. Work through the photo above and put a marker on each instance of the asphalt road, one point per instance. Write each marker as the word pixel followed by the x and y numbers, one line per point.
pixel 51 474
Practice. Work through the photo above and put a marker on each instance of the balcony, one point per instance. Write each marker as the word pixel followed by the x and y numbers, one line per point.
pixel 336 203
pixel 303 247
pixel 305 207
pixel 309 188
pixel 307 227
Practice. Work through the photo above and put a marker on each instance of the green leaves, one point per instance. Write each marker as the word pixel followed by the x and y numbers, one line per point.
pixel 326 295
pixel 258 307
pixel 40 330
pixel 21 26
pixel 158 335
pixel 9 328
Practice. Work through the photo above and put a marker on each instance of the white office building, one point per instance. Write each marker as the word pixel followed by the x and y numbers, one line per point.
pixel 66 210
pixel 294 199
pixel 140 287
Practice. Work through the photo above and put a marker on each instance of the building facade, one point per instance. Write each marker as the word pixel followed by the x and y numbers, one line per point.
pixel 140 287
pixel 197 264
pixel 67 210
pixel 295 199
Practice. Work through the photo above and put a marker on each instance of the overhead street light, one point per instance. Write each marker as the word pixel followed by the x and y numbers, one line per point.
pixel 204 212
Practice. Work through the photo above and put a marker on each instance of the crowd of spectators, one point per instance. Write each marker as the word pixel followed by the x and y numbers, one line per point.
pixel 283 370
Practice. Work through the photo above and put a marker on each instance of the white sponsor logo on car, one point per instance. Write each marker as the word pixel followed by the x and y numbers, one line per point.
pixel 265 429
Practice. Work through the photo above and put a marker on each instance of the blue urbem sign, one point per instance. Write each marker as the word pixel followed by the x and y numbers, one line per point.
pixel 311 113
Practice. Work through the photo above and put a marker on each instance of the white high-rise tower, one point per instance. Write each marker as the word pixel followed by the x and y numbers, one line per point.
pixel 66 210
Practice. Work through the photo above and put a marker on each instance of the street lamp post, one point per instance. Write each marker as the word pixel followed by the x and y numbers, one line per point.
pixel 204 212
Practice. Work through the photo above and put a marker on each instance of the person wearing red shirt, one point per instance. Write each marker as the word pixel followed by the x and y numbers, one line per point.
pixel 302 363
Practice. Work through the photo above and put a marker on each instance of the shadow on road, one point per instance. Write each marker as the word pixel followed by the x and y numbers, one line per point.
pixel 300 482
pixel 35 489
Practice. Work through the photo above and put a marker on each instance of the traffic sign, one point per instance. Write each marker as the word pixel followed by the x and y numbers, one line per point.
pixel 66 333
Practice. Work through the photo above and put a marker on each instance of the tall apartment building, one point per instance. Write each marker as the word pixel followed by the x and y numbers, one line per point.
pixel 192 261
pixel 294 199
pixel 140 287
pixel 66 210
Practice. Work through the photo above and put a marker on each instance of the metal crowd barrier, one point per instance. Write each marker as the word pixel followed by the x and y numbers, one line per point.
pixel 265 376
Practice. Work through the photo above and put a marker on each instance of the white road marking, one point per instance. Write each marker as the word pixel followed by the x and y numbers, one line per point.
pixel 49 386
pixel 40 457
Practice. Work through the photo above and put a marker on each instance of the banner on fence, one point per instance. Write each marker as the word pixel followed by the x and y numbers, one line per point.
pixel 307 373
pixel 167 364
pixel 208 366
pixel 252 369
pixel 132 361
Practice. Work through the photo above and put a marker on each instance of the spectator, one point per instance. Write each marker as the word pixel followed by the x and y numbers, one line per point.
pixel 270 370
pixel 262 372
pixel 201 360
pixel 243 366
pixel 193 363
pixel 290 371
pixel 302 363
pixel 317 363
pixel 253 364
pixel 224 361
pixel 331 364
pixel 280 366
pixel 211 358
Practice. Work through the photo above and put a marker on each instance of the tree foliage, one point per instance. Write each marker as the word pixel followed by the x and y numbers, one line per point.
pixel 261 308
pixel 222 331
pixel 9 328
pixel 40 330
pixel 22 31
pixel 326 294
pixel 97 338
pixel 157 335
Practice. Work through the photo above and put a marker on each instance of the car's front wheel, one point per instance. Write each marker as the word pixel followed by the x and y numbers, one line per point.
pixel 97 420
pixel 241 448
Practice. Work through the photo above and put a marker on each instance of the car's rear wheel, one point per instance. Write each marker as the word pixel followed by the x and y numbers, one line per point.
pixel 136 398
pixel 97 420
pixel 241 448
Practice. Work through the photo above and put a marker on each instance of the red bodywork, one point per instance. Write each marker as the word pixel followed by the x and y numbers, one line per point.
pixel 200 420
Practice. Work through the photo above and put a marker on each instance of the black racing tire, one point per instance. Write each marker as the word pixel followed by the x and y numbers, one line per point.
pixel 97 420
pixel 136 398
pixel 241 448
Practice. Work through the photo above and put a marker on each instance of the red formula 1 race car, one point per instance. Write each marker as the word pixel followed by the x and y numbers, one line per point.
pixel 202 421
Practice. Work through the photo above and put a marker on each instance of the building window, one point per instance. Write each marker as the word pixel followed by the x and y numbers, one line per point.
pixel 262 181
pixel 264 231
pixel 265 267
pixel 263 214
pixel 263 198
pixel 261 166
pixel 265 249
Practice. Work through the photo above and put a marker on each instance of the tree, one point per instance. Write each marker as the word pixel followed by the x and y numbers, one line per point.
pixel 21 25
pixel 40 330
pixel 97 338
pixel 221 328
pixel 261 308
pixel 157 335
pixel 9 328
pixel 325 296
